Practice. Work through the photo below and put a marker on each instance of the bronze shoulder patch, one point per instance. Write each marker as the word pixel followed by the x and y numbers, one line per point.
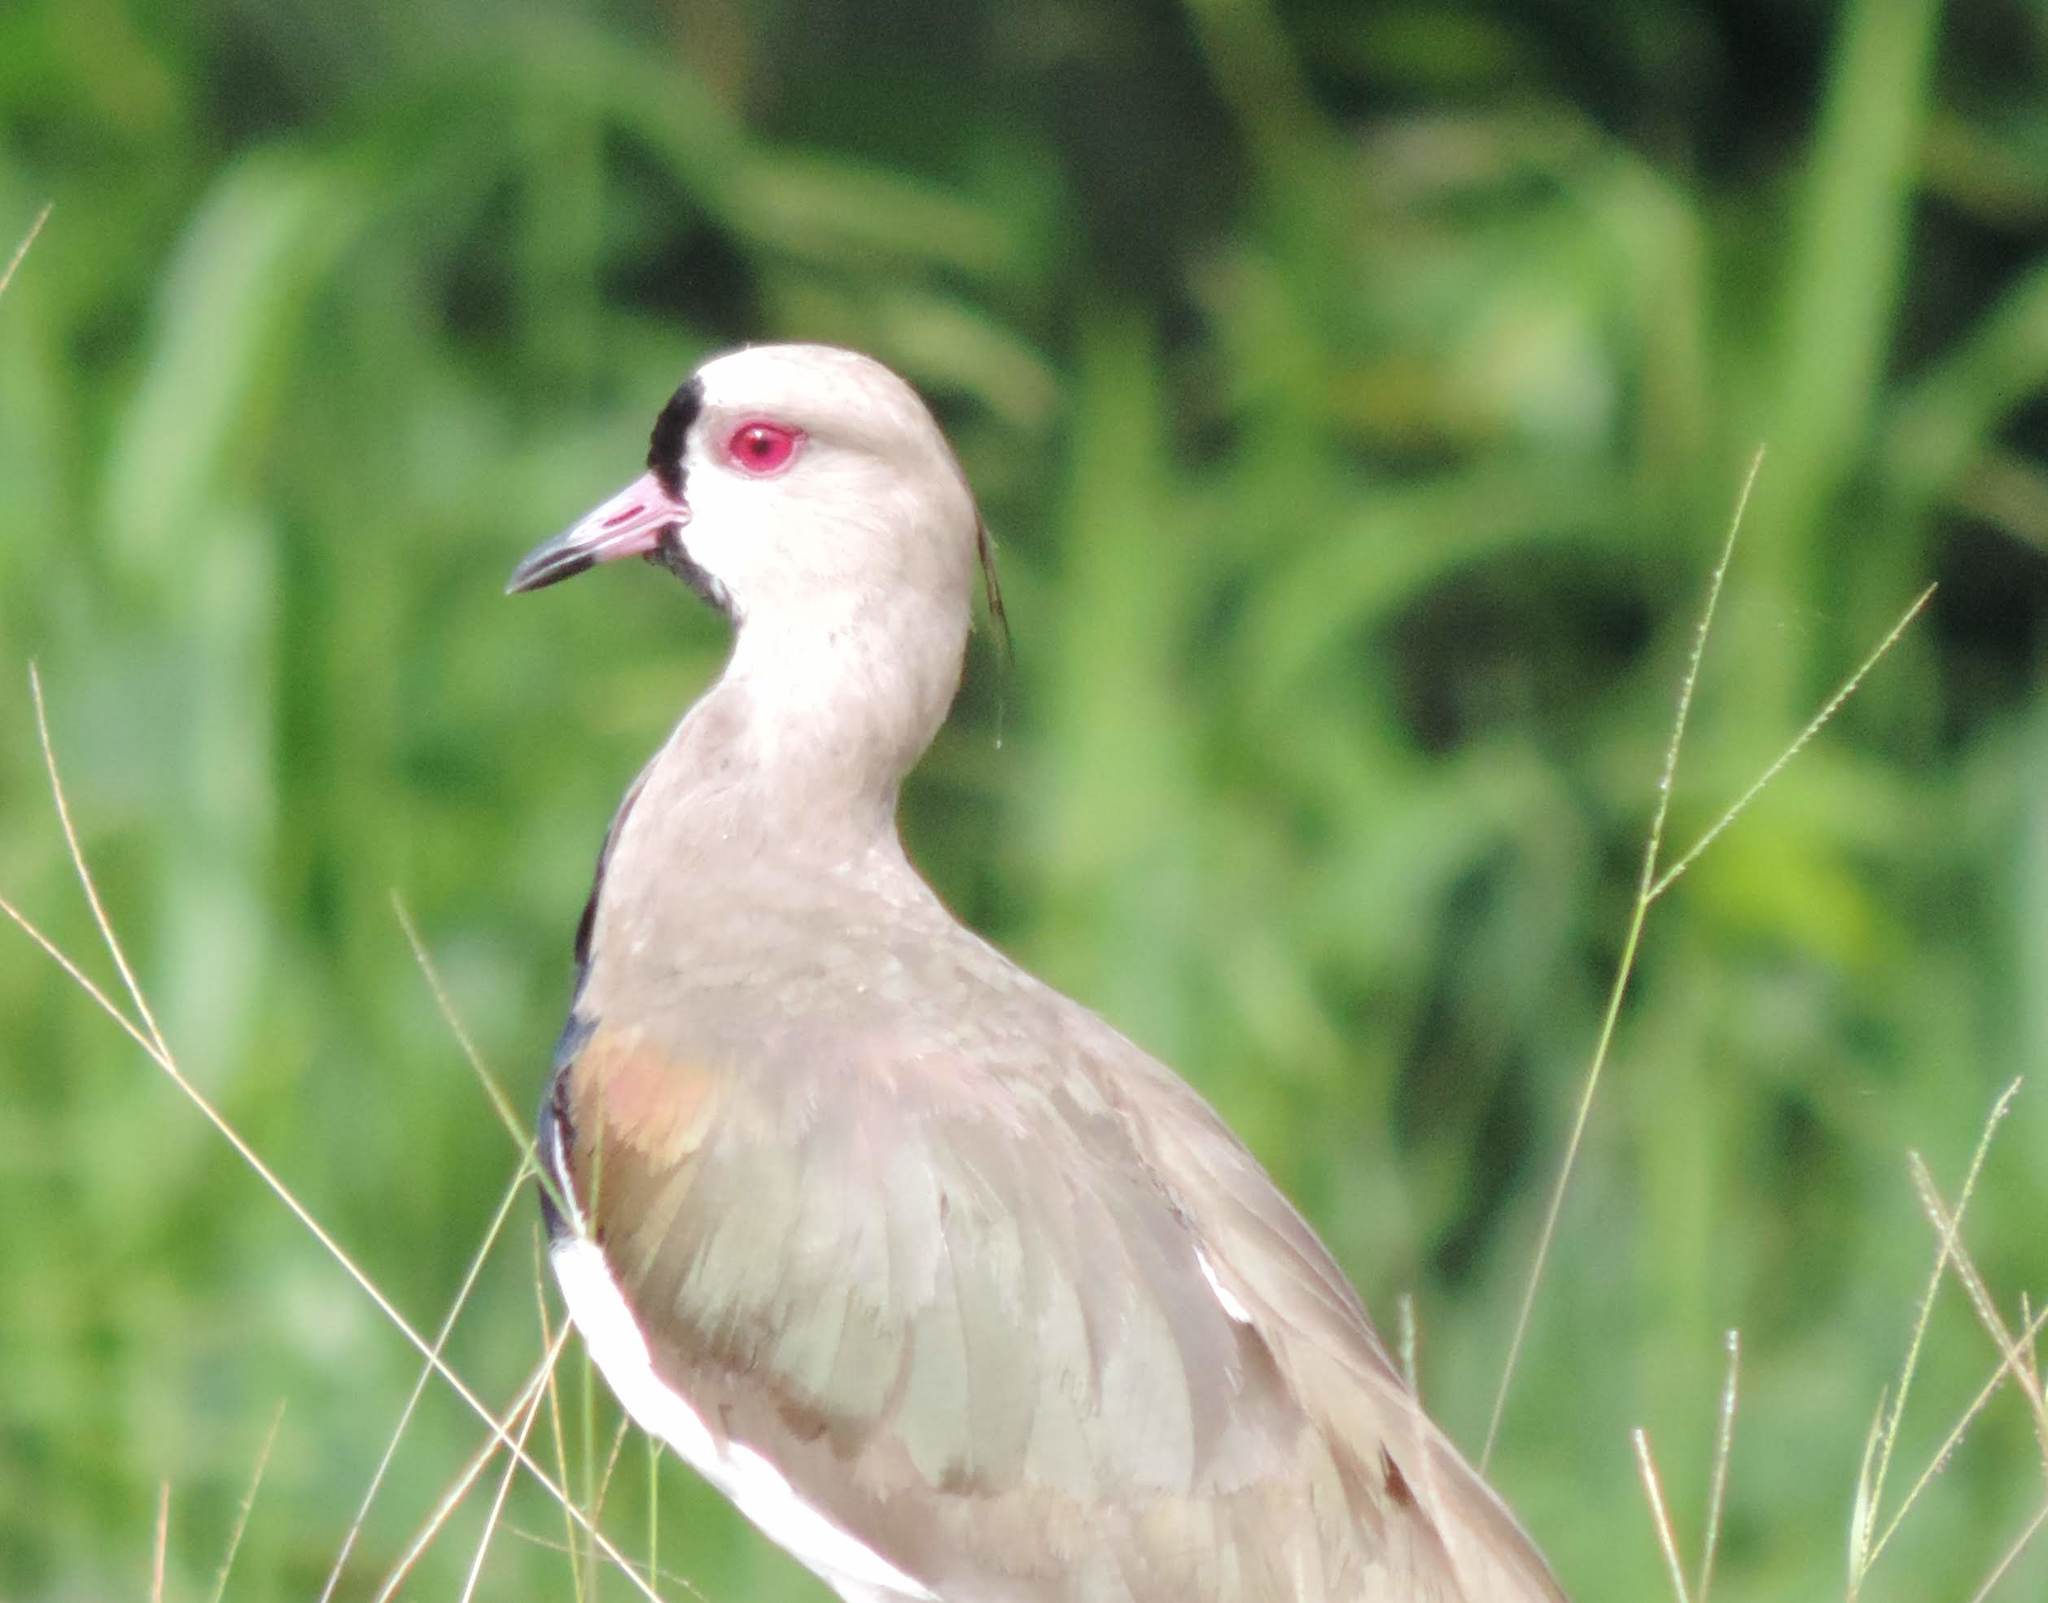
pixel 643 1100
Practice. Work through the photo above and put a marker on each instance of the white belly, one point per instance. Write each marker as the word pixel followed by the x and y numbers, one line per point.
pixel 757 1488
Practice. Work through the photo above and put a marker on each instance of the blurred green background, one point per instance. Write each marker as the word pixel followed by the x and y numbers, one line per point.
pixel 1358 393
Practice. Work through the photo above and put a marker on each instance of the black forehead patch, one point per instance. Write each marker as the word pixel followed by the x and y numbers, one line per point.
pixel 665 444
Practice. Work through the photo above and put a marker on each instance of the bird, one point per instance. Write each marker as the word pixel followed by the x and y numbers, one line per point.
pixel 954 1291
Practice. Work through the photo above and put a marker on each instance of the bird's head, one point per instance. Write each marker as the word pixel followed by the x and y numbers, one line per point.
pixel 791 486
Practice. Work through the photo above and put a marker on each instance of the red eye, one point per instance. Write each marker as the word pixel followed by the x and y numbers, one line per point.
pixel 762 448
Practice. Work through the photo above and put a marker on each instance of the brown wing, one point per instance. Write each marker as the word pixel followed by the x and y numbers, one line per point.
pixel 965 1316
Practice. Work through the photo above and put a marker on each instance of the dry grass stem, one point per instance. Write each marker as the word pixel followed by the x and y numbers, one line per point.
pixel 591 1505
pixel 1885 1431
pixel 160 1546
pixel 1814 726
pixel 547 1544
pixel 1651 884
pixel 497 1508
pixel 587 1401
pixel 611 1465
pixel 1660 1510
pixel 1660 1514
pixel 466 1477
pixel 78 977
pixel 1864 1547
pixel 574 1548
pixel 21 250
pixel 2014 1352
pixel 1863 1509
pixel 2033 1357
pixel 1717 1484
pixel 227 1563
pixel 412 1401
pixel 1938 1461
pixel 85 879
pixel 1583 1113
pixel 494 1093
pixel 1924 1311
pixel 150 1040
pixel 653 1504
pixel 2020 1544
pixel 1432 1482
pixel 1410 1370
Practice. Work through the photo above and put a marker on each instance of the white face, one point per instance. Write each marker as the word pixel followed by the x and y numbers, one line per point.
pixel 791 484
pixel 815 478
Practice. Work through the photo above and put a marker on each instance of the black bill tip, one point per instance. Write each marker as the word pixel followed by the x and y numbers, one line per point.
pixel 548 564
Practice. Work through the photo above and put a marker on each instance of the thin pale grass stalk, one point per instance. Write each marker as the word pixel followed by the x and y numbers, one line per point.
pixel 593 1497
pixel 594 1506
pixel 1870 1482
pixel 653 1504
pixel 334 1249
pixel 1410 1370
pixel 524 1142
pixel 1624 969
pixel 471 1471
pixel 555 1421
pixel 2020 1543
pixel 497 1509
pixel 227 1563
pixel 494 1093
pixel 419 1389
pixel 2033 1358
pixel 1717 1483
pixel 160 1054
pixel 1660 1513
pixel 611 1465
pixel 160 1548
pixel 85 880
pixel 1453 1532
pixel 1814 726
pixel 549 1545
pixel 1863 1510
pixel 1939 1460
pixel 605 1487
pixel 1650 885
pixel 1981 1300
pixel 27 240
pixel 593 1502
pixel 77 976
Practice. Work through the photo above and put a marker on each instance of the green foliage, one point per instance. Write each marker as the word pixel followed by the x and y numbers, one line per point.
pixel 1358 396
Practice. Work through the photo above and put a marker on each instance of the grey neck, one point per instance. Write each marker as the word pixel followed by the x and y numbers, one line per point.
pixel 801 746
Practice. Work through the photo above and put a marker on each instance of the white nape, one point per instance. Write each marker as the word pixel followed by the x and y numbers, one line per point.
pixel 757 1488
pixel 1231 1306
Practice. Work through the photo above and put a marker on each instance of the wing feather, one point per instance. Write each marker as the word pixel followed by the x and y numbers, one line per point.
pixel 968 1318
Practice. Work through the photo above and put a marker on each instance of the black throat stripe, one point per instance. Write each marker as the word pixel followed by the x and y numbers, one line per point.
pixel 665 445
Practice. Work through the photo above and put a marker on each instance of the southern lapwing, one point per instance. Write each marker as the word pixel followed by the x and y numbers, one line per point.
pixel 954 1291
